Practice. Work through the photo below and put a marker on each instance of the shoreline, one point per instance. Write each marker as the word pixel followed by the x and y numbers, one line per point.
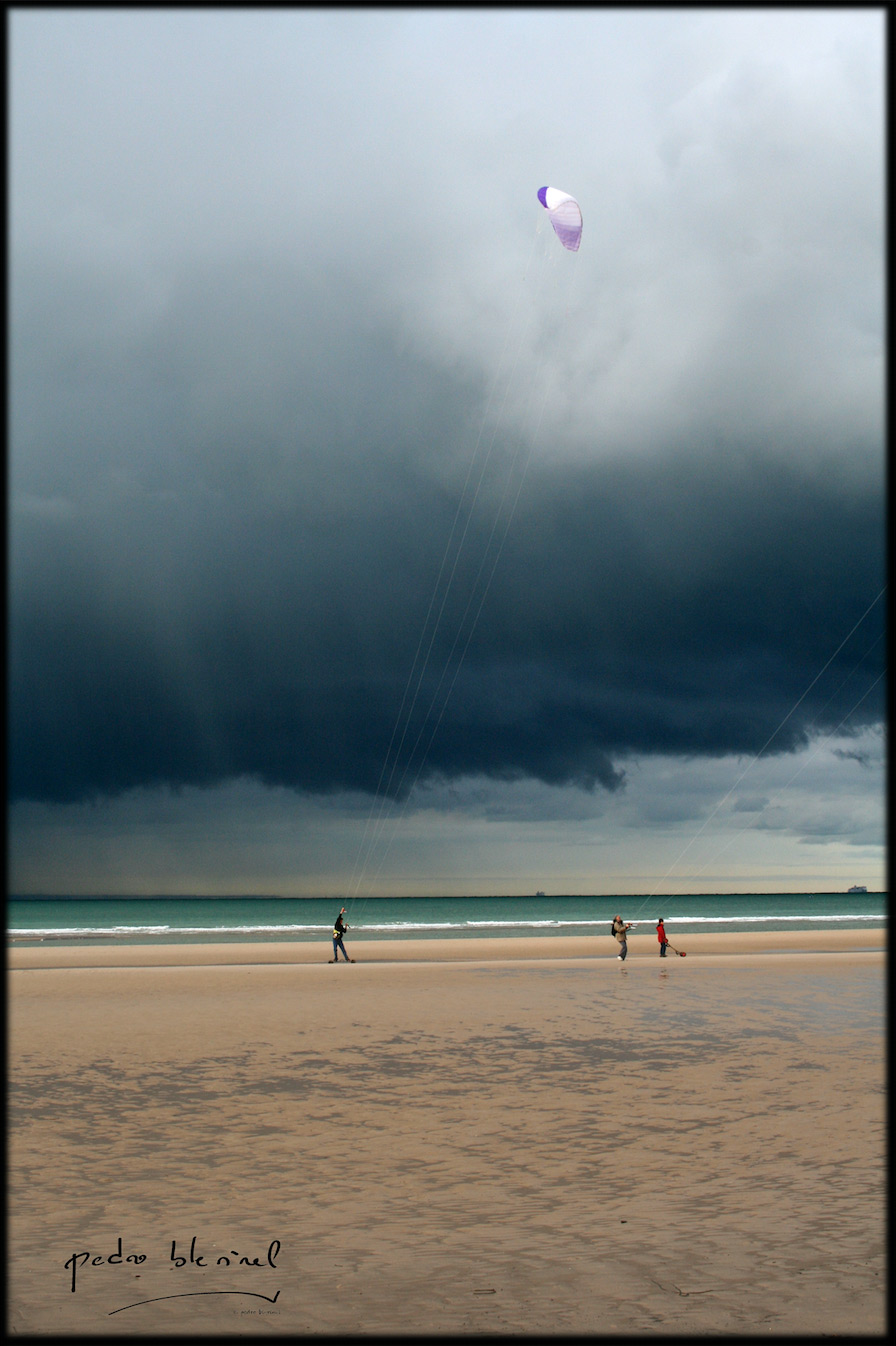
pixel 529 948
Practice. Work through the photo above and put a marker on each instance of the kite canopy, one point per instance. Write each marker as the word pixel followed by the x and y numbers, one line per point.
pixel 565 216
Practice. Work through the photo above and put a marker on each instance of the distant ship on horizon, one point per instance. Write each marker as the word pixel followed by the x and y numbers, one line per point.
pixel 857 888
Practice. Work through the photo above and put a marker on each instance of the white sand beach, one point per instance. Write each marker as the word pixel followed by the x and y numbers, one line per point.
pixel 504 1136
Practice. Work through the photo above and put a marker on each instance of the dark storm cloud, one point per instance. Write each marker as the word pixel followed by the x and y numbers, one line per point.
pixel 247 599
pixel 262 273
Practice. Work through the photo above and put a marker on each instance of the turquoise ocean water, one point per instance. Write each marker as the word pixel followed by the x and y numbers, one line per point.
pixel 166 920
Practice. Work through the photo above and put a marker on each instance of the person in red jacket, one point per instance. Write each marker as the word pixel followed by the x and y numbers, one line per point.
pixel 661 936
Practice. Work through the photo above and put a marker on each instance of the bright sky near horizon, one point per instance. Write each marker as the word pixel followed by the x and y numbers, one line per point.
pixel 364 540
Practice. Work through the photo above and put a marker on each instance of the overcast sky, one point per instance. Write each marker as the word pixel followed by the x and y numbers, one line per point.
pixel 363 539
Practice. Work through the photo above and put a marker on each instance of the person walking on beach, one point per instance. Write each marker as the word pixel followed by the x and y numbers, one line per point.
pixel 661 936
pixel 339 929
pixel 620 930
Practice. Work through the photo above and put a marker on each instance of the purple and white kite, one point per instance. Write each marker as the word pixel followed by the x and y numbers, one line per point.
pixel 564 214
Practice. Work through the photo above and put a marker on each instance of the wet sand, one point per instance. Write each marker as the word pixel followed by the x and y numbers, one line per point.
pixel 504 1136
pixel 641 945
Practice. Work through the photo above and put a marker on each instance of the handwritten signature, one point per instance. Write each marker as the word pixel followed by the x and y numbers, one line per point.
pixel 78 1262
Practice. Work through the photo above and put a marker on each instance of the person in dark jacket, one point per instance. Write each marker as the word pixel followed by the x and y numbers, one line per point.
pixel 339 928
